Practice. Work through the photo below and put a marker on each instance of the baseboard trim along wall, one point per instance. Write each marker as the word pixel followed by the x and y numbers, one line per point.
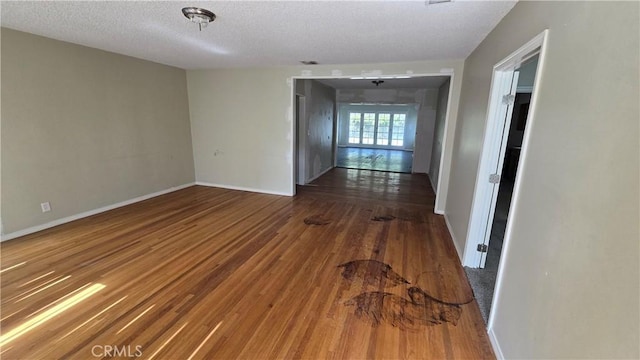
pixel 434 188
pixel 453 237
pixel 496 346
pixel 322 173
pixel 242 188
pixel 85 214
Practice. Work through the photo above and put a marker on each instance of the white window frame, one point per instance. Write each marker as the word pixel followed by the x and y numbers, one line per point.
pixel 391 126
pixel 377 113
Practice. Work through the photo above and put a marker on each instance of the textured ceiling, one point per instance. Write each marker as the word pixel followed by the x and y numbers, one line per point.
pixel 265 33
pixel 422 82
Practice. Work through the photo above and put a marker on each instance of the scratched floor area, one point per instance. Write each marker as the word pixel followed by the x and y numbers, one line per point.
pixel 375 159
pixel 355 266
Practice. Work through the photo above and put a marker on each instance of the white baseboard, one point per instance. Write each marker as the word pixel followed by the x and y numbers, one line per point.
pixel 453 237
pixel 85 214
pixel 496 346
pixel 436 211
pixel 432 185
pixel 242 188
pixel 322 173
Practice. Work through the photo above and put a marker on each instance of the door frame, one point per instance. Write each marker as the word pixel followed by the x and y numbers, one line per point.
pixel 491 152
pixel 301 144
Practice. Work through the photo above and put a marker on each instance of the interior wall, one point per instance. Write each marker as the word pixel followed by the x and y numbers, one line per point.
pixel 527 75
pixel 425 131
pixel 84 128
pixel 320 118
pixel 570 285
pixel 438 133
pixel 250 146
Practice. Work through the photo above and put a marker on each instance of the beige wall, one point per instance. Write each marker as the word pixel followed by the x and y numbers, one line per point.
pixel 241 119
pixel 241 128
pixel 84 128
pixel 571 283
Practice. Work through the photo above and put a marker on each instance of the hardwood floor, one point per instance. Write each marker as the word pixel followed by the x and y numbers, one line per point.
pixel 374 159
pixel 206 273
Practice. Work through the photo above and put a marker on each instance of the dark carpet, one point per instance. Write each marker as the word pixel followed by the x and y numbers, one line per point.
pixel 483 280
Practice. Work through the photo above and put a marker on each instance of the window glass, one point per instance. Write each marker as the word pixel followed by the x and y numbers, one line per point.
pixel 397 135
pixel 354 128
pixel 384 121
pixel 368 128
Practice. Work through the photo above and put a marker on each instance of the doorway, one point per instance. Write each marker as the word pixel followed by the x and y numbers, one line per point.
pixel 391 89
pixel 483 278
pixel 378 137
pixel 509 118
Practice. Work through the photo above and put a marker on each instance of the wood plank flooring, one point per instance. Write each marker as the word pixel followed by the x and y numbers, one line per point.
pixel 350 268
pixel 374 159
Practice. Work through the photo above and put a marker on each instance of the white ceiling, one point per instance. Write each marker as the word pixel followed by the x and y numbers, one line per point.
pixel 423 82
pixel 265 33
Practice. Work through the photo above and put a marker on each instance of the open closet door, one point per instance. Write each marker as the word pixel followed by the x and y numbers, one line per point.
pixel 494 167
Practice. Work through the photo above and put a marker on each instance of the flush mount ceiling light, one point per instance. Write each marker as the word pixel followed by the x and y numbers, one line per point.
pixel 377 82
pixel 202 17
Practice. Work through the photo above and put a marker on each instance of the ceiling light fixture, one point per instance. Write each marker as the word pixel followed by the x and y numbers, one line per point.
pixel 202 17
pixel 433 2
pixel 377 82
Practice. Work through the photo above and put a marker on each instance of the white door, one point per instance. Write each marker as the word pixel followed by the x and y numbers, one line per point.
pixel 495 167
pixel 503 91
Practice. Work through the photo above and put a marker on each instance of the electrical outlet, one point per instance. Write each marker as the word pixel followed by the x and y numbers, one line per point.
pixel 45 206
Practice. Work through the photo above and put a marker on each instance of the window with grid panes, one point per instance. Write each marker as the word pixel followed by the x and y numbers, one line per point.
pixel 377 128
pixel 354 127
pixel 397 133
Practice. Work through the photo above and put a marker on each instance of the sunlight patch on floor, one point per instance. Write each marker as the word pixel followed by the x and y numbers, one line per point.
pixel 49 314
